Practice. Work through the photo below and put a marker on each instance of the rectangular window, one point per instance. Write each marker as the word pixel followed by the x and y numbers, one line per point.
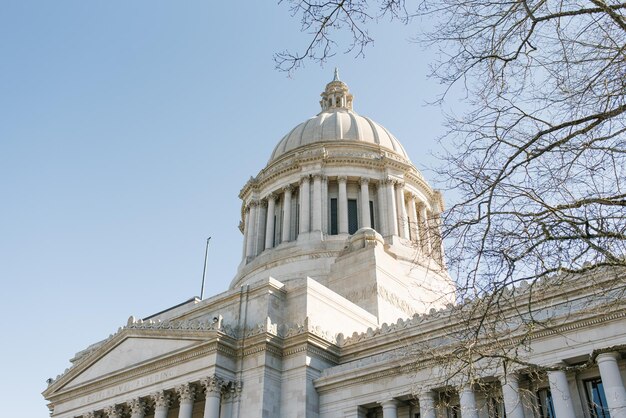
pixel 544 404
pixel 297 227
pixel 596 398
pixel 353 220
pixel 333 217
pixel 372 215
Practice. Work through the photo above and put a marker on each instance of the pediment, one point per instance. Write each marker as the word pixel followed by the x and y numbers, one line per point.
pixel 130 352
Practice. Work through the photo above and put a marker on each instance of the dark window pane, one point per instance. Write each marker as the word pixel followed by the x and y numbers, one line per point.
pixel 372 215
pixel 596 399
pixel 546 408
pixel 333 217
pixel 353 220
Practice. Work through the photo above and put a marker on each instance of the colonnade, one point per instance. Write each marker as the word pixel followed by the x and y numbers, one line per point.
pixel 614 390
pixel 399 212
pixel 221 397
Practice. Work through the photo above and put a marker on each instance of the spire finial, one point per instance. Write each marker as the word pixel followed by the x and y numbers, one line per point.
pixel 336 95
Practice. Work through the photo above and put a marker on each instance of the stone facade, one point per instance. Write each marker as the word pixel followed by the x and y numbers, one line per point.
pixel 342 307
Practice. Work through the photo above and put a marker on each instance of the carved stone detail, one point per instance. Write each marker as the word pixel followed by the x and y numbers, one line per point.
pixel 113 411
pixel 342 179
pixel 304 179
pixel 364 180
pixel 212 385
pixel 186 393
pixel 137 406
pixel 271 196
pixel 288 188
pixel 161 399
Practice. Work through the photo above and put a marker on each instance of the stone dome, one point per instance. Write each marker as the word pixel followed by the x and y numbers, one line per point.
pixel 337 122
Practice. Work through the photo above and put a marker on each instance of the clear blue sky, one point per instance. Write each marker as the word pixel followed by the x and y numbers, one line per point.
pixel 127 130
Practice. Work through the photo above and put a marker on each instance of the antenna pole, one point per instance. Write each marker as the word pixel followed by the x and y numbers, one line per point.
pixel 206 255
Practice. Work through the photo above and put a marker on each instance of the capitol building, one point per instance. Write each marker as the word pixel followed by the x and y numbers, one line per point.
pixel 342 307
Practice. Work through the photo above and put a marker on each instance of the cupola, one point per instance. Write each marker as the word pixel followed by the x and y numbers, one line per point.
pixel 337 185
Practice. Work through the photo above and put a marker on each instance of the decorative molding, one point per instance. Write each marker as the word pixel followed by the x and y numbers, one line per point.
pixel 364 181
pixel 212 385
pixel 161 399
pixel 113 411
pixel 137 406
pixel 186 393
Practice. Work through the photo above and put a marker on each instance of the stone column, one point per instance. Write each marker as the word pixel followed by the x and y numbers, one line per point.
pixel 236 395
pixel 161 404
pixel 510 394
pixel 468 402
pixel 316 205
pixel 186 396
pixel 424 229
pixel 342 205
pixel 227 401
pixel 113 411
pixel 213 390
pixel 304 205
pixel 414 221
pixel 403 225
pixel 246 231
pixel 382 209
pixel 561 398
pixel 390 408
pixel 250 247
pixel 612 383
pixel 325 204
pixel 427 405
pixel 269 224
pixel 392 220
pixel 137 408
pixel 261 217
pixel 365 203
pixel 286 234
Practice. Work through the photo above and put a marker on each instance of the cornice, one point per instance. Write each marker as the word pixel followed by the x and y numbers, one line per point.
pixel 118 377
pixel 406 364
pixel 194 330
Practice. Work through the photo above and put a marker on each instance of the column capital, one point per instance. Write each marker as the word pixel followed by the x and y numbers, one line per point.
pixel 271 196
pixel 252 203
pixel 212 385
pixel 161 399
pixel 342 179
pixel 186 393
pixel 389 403
pixel 262 203
pixel 113 411
pixel 92 414
pixel 364 181
pixel 398 184
pixel 304 179
pixel 137 406
pixel 288 188
pixel 610 355
pixel 317 176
